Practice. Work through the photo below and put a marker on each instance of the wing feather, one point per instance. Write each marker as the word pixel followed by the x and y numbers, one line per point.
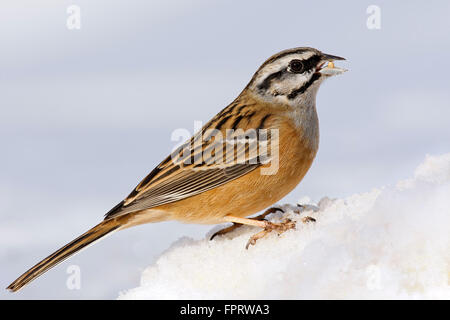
pixel 180 176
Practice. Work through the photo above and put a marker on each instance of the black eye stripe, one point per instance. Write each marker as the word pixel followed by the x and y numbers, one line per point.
pixel 310 63
pixel 266 83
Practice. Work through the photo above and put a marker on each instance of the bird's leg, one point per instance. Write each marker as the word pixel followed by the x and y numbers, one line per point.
pixel 266 225
pixel 236 225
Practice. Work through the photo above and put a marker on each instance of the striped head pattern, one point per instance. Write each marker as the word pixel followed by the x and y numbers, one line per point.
pixel 294 75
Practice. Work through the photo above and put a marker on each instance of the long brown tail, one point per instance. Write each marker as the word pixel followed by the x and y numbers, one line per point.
pixel 87 238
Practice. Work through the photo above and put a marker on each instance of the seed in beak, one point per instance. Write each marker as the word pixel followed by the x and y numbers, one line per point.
pixel 330 65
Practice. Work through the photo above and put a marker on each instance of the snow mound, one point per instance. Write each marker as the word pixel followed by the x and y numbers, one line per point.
pixel 388 243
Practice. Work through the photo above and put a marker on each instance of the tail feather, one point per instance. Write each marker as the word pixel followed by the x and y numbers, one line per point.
pixel 87 238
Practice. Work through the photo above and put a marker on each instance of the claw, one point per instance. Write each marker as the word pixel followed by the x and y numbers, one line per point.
pixel 308 219
pixel 306 207
pixel 226 230
pixel 270 226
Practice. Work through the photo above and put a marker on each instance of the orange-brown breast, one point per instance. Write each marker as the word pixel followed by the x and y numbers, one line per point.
pixel 254 191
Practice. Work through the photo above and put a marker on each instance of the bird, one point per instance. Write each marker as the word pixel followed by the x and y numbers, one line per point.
pixel 194 184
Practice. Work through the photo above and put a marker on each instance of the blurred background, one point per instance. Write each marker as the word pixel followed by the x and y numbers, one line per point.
pixel 87 113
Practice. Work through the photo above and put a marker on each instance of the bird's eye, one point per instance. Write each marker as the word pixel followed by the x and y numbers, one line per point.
pixel 296 66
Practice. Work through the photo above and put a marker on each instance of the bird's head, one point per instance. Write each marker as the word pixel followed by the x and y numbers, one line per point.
pixel 293 76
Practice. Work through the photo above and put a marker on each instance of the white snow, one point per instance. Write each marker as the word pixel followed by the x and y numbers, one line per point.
pixel 388 243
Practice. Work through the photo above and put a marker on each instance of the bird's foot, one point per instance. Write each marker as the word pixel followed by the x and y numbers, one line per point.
pixel 223 231
pixel 260 221
pixel 235 225
pixel 269 227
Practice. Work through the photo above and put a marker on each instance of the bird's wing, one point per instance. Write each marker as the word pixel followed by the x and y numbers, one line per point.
pixel 193 168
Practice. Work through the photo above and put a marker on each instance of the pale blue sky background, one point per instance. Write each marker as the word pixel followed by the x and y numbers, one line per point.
pixel 86 114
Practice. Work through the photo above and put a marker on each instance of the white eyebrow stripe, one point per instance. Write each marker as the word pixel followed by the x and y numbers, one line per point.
pixel 280 64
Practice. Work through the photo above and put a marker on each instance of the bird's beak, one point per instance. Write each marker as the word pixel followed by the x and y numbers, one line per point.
pixel 330 69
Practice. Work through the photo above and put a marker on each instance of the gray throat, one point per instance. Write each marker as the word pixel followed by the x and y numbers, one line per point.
pixel 305 117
